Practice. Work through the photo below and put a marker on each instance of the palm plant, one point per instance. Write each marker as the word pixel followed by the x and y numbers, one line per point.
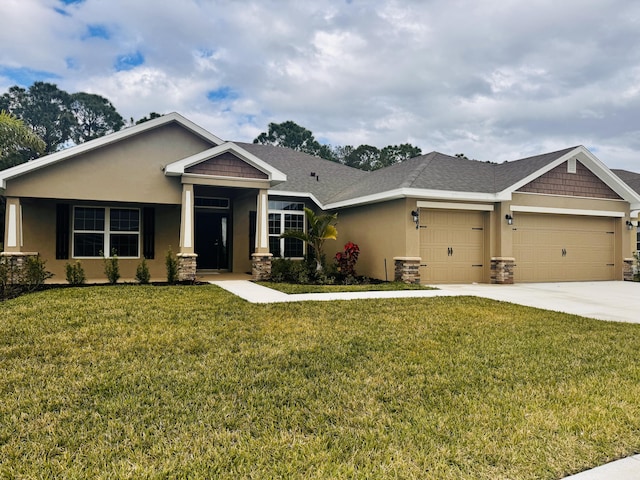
pixel 321 228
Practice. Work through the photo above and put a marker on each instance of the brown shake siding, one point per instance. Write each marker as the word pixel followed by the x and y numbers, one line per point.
pixel 226 165
pixel 558 181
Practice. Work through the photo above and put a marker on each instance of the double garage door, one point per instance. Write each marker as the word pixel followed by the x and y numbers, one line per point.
pixel 547 248
pixel 557 248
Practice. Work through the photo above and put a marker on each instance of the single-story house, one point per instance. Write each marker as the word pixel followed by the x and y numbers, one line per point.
pixel 221 206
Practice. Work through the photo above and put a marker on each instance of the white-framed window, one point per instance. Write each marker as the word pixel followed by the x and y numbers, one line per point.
pixel 283 216
pixel 99 231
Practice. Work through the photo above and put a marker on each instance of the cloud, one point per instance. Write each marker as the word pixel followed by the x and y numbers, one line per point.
pixel 495 80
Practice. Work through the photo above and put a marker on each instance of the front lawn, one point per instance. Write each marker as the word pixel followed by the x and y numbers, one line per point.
pixel 192 382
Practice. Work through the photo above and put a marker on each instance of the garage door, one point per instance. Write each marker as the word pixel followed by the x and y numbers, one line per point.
pixel 556 248
pixel 451 246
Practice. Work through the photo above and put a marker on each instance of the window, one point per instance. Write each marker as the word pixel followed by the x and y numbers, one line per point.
pixel 285 216
pixel 97 229
pixel 638 240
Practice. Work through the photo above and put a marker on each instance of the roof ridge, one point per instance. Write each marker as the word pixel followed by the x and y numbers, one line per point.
pixel 410 179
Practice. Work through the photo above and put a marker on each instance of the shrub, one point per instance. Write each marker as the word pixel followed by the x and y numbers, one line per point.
pixel 292 271
pixel 111 268
pixel 171 262
pixel 142 272
pixel 16 280
pixel 75 273
pixel 346 260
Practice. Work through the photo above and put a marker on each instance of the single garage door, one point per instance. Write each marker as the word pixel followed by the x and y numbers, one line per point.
pixel 557 248
pixel 451 246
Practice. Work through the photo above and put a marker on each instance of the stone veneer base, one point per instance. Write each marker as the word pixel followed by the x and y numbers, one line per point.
pixel 407 269
pixel 261 266
pixel 502 270
pixel 187 267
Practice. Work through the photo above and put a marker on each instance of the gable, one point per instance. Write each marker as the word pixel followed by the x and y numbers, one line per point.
pixel 582 183
pixel 226 165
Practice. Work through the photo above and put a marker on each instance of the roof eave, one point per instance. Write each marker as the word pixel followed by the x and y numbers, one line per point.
pixel 419 193
pixel 74 151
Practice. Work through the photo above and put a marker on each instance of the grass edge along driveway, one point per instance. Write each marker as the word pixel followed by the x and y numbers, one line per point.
pixel 156 382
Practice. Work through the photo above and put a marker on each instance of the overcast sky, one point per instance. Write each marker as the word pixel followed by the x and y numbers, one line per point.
pixel 494 79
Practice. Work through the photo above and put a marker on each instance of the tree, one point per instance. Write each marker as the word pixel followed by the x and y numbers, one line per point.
pixel 365 157
pixel 16 137
pixel 392 154
pixel 151 116
pixel 291 135
pixel 321 228
pixel 95 117
pixel 46 109
pixel 60 118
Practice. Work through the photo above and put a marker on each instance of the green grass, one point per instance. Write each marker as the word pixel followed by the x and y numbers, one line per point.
pixel 191 382
pixel 292 288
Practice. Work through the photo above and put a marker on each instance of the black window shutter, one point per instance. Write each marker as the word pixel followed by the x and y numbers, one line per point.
pixel 252 232
pixel 148 233
pixel 63 231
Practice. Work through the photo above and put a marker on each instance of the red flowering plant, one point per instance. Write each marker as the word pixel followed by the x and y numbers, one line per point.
pixel 347 259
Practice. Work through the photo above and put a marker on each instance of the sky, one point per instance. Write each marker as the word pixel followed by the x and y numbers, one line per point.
pixel 494 79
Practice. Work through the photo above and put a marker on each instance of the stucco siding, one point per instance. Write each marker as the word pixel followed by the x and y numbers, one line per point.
pixel 128 171
pixel 380 230
pixel 39 233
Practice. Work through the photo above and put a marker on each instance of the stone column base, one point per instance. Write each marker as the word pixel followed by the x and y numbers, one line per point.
pixel 502 270
pixel 15 262
pixel 627 270
pixel 407 269
pixel 261 266
pixel 187 267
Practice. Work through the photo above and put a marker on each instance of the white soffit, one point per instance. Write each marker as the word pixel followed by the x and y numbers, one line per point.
pixel 566 211
pixel 457 206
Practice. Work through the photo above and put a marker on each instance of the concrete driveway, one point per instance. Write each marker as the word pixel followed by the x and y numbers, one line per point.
pixel 619 301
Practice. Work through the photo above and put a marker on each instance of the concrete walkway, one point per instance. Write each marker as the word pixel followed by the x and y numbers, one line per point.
pixel 617 301
pixel 614 301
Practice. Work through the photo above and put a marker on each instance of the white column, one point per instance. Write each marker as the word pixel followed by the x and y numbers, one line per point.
pixel 187 230
pixel 262 223
pixel 13 226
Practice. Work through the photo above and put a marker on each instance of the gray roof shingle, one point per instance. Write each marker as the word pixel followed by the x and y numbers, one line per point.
pixel 432 171
pixel 630 178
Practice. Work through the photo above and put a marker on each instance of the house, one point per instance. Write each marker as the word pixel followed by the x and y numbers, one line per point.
pixel 221 206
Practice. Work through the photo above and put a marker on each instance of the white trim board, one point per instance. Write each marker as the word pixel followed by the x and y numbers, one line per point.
pixel 566 211
pixel 482 207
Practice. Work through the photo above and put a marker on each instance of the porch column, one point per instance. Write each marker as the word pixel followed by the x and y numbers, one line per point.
pixel 261 258
pixel 262 223
pixel 13 226
pixel 187 230
pixel 187 256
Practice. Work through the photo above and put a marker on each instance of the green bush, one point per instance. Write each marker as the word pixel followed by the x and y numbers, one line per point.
pixel 16 280
pixel 142 272
pixel 75 273
pixel 112 268
pixel 171 262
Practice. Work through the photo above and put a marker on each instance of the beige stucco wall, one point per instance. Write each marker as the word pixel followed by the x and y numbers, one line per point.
pixel 381 230
pixel 39 232
pixel 127 171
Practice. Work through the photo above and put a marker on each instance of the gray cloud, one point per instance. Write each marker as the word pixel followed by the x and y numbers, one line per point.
pixel 495 80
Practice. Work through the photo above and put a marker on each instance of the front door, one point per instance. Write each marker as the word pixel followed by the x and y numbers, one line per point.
pixel 212 240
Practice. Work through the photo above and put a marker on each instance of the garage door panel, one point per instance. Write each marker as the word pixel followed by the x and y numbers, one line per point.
pixel 563 248
pixel 451 246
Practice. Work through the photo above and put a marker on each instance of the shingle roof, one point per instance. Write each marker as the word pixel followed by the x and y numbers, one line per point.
pixel 433 171
pixel 630 178
pixel 330 177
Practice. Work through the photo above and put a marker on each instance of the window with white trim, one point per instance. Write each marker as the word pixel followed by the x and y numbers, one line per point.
pixel 99 231
pixel 283 216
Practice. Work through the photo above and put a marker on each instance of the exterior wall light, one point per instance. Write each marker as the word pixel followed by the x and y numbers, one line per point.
pixel 415 216
pixel 629 225
pixel 509 219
